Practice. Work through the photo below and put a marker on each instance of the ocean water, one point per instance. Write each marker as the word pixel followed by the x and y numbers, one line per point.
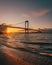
pixel 39 44
pixel 24 40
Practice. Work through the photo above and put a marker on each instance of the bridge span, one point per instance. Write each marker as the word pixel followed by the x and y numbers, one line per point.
pixel 26 27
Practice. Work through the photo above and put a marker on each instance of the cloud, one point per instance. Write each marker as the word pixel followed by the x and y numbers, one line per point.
pixel 25 15
pixel 40 13
pixel 35 13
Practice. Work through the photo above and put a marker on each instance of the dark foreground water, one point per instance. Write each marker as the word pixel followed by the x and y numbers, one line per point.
pixel 35 49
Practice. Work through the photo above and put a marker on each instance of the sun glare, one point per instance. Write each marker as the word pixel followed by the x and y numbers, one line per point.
pixel 8 30
pixel 11 30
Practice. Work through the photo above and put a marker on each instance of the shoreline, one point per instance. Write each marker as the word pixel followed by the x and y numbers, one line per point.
pixel 9 59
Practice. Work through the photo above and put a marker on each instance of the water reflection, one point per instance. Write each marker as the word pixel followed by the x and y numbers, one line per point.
pixel 12 46
pixel 8 55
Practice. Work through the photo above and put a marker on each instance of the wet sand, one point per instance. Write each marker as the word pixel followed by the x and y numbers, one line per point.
pixel 23 58
pixel 9 59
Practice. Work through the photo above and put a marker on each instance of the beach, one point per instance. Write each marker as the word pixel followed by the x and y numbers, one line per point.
pixel 9 59
pixel 10 56
pixel 17 49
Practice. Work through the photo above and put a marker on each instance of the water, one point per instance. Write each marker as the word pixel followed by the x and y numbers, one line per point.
pixel 26 45
pixel 16 40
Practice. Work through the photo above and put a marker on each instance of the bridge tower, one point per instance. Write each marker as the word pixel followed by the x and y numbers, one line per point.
pixel 26 26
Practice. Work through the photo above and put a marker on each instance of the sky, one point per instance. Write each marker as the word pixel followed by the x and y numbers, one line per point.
pixel 16 12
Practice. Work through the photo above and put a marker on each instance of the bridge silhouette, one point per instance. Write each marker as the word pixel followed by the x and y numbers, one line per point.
pixel 26 28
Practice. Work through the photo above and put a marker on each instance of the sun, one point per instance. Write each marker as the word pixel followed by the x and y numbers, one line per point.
pixel 11 30
pixel 8 30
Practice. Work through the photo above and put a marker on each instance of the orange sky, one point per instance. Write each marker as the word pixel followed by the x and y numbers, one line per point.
pixel 38 12
pixel 13 30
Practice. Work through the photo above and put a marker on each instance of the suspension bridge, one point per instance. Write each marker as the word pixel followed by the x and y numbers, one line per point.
pixel 27 28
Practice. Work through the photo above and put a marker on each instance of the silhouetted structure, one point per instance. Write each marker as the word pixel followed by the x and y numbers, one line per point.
pixel 26 26
pixel 3 28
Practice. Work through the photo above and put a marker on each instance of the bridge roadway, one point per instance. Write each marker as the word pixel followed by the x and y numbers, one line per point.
pixel 22 28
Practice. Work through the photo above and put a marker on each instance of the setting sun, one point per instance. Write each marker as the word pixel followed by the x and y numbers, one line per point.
pixel 11 30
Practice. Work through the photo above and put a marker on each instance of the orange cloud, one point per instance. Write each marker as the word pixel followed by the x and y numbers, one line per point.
pixel 35 13
pixel 40 13
pixel 25 15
